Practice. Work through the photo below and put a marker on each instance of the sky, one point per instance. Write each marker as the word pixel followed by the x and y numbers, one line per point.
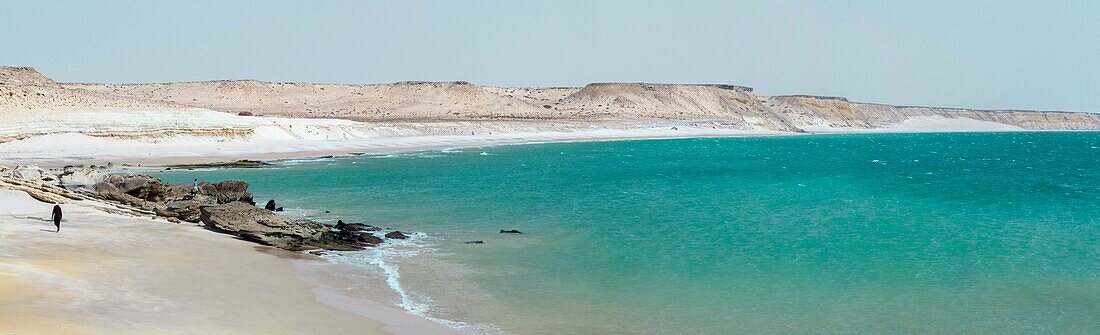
pixel 974 54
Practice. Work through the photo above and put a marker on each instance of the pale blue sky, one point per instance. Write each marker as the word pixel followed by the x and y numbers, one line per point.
pixel 979 54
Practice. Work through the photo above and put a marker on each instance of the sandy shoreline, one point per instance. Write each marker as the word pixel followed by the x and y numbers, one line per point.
pixel 114 274
pixel 58 150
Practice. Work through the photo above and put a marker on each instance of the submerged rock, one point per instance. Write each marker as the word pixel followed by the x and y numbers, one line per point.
pixel 396 234
pixel 513 231
pixel 356 226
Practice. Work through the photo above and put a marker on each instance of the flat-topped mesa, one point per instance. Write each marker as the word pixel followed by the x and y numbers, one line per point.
pixel 736 106
pixel 821 97
pixel 23 75
pixel 661 85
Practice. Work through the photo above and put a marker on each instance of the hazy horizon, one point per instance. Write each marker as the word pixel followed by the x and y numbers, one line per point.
pixel 981 55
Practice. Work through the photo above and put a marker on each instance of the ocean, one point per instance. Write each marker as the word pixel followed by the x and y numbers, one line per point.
pixel 962 233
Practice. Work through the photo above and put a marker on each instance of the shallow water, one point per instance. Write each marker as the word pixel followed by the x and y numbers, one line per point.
pixel 969 233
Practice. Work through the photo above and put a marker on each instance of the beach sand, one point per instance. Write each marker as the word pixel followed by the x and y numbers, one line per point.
pixel 114 274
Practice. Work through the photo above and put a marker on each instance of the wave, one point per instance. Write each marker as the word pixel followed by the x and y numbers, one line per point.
pixel 388 257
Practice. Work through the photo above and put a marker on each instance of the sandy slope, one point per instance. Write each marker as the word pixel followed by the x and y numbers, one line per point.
pixel 114 274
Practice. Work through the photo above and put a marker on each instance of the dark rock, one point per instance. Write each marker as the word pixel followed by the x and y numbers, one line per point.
pixel 279 209
pixel 369 238
pixel 397 235
pixel 231 190
pixel 475 242
pixel 188 210
pixel 138 190
pixel 262 226
pixel 513 231
pixel 244 114
pixel 270 205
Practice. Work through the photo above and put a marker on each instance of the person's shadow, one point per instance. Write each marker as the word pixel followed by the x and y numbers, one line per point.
pixel 44 219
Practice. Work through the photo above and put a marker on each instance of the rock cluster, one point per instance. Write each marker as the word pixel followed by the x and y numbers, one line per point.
pixel 225 206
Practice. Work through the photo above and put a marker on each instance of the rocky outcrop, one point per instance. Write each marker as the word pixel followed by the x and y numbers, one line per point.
pixel 226 207
pixel 262 226
pixel 168 200
pixel 139 190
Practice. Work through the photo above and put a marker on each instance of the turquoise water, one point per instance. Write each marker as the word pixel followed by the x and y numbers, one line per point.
pixel 968 233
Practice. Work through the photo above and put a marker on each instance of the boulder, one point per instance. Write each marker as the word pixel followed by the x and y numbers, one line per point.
pixel 28 173
pixel 262 226
pixel 109 191
pixel 139 186
pixel 270 205
pixel 80 177
pixel 227 191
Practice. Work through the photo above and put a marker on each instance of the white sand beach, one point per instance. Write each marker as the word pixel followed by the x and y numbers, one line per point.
pixel 114 274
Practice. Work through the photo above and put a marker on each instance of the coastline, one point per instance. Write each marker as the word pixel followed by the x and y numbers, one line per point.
pixel 297 271
pixel 115 274
pixel 58 149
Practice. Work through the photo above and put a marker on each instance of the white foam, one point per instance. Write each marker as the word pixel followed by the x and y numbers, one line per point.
pixel 387 257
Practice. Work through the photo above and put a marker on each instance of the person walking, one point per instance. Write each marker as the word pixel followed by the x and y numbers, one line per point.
pixel 57 217
pixel 195 186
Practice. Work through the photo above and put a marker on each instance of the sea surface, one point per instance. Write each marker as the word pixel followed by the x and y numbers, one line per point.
pixel 967 233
